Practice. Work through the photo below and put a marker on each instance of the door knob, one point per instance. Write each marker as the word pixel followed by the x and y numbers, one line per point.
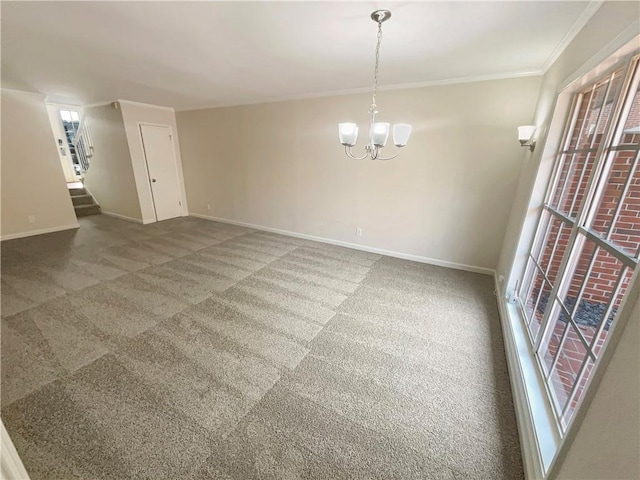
pixel 153 180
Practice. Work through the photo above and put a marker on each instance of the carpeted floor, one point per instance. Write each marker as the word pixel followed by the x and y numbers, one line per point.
pixel 190 349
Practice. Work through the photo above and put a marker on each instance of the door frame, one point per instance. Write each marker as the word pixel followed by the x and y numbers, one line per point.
pixel 58 131
pixel 175 163
pixel 64 135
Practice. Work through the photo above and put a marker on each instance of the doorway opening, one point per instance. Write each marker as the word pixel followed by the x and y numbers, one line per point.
pixel 72 139
pixel 70 120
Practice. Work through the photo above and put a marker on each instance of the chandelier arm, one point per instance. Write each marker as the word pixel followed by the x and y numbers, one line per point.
pixel 387 158
pixel 347 150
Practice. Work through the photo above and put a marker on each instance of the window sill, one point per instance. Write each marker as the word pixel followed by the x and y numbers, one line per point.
pixel 539 436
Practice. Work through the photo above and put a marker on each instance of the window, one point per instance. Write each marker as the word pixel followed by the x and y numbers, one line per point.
pixel 587 241
pixel 69 116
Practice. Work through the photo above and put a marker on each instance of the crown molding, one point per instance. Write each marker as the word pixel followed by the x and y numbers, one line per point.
pixel 147 105
pixel 458 80
pixel 97 104
pixel 24 92
pixel 63 105
pixel 360 90
pixel 577 26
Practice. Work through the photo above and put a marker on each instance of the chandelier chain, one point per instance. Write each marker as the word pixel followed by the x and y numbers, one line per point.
pixel 375 70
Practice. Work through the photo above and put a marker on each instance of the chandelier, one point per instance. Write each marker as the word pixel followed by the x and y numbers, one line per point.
pixel 378 131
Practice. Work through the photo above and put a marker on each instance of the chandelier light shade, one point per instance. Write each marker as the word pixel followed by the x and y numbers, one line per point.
pixel 348 134
pixel 401 132
pixel 378 131
pixel 379 134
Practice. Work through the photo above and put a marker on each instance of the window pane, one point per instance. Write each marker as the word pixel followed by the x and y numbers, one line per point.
pixel 578 394
pixel 571 290
pixel 543 293
pixel 617 193
pixel 554 248
pixel 535 300
pixel 601 114
pixel 626 228
pixel 598 290
pixel 541 234
pixel 595 113
pixel 631 128
pixel 548 350
pixel 532 290
pixel 561 180
pixel 572 182
pixel 564 376
pixel 606 327
pixel 580 130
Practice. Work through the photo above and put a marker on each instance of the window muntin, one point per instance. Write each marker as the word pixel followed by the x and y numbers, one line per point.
pixel 588 238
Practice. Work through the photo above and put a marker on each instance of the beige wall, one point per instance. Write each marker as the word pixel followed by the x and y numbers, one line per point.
pixel 33 183
pixel 110 176
pixel 605 442
pixel 446 197
pixel 133 115
pixel 607 445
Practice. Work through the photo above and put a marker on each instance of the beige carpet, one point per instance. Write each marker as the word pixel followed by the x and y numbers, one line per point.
pixel 190 349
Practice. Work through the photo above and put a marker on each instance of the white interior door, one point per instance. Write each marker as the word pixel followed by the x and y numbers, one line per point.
pixel 163 172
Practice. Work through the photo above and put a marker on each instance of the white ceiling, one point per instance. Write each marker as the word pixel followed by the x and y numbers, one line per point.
pixel 199 54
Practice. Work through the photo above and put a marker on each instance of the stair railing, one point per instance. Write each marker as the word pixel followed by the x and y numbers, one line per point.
pixel 83 145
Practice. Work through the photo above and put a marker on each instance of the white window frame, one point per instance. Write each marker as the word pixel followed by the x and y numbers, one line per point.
pixel 579 225
pixel 542 446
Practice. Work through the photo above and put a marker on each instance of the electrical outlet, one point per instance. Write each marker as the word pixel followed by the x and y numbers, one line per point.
pixel 358 232
pixel 32 219
pixel 208 207
pixel 500 278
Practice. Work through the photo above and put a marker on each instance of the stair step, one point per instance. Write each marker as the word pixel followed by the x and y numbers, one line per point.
pixel 77 191
pixel 82 199
pixel 84 210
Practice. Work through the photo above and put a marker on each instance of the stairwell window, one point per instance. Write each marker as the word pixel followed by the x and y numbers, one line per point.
pixel 587 241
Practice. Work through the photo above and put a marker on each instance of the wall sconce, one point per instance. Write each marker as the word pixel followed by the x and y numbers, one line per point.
pixel 525 135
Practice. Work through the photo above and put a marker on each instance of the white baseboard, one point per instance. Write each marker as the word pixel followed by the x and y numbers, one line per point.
pixel 11 466
pixel 31 233
pixel 121 217
pixel 531 457
pixel 355 246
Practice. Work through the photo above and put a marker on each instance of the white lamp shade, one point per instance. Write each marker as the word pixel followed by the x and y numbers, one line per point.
pixel 525 132
pixel 380 133
pixel 348 133
pixel 401 132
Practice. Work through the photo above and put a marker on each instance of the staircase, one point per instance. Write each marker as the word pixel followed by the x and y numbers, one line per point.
pixel 83 203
